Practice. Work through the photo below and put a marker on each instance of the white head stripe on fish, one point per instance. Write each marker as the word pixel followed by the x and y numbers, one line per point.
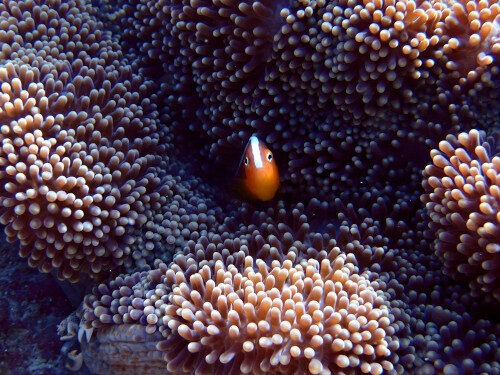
pixel 254 143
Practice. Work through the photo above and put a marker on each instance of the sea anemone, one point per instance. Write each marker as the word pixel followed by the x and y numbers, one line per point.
pixel 463 203
pixel 279 255
pixel 236 313
pixel 278 319
pixel 72 179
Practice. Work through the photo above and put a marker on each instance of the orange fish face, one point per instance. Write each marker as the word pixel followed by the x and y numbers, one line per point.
pixel 258 171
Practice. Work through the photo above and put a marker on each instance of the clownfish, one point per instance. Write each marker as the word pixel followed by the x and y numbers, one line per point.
pixel 257 174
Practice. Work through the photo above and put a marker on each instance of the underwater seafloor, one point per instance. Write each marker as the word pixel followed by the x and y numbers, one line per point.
pixel 135 242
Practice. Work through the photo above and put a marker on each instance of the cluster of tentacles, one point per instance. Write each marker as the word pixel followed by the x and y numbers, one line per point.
pixel 358 266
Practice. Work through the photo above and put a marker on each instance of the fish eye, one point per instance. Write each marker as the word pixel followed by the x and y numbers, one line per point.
pixel 269 156
pixel 246 161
